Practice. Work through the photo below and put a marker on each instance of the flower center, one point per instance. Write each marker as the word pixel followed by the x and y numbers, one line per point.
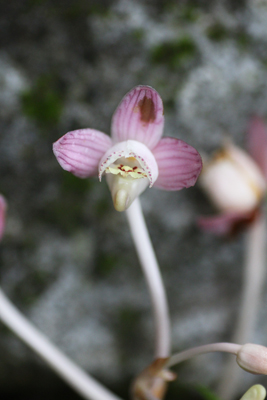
pixel 126 167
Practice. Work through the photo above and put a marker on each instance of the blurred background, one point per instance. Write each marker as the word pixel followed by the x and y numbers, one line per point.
pixel 67 259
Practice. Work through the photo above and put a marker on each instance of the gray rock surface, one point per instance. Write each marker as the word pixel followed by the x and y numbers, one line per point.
pixel 67 259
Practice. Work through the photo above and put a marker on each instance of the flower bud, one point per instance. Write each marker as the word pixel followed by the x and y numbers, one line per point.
pixel 256 392
pixel 253 358
pixel 233 181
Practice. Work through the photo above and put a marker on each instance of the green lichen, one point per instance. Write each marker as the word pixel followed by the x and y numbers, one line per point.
pixel 138 34
pixel 103 206
pixel 82 8
pixel 72 184
pixel 67 212
pixel 174 53
pixel 71 10
pixel 189 14
pixel 178 390
pixel 243 39
pixel 43 103
pixel 105 264
pixel 33 3
pixel 127 327
pixel 264 62
pixel 169 104
pixel 33 285
pixel 206 393
pixel 217 32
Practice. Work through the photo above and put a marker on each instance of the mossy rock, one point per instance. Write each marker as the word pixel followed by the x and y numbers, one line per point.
pixel 43 102
pixel 174 53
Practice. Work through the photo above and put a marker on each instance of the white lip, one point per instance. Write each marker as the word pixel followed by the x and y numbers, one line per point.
pixel 131 148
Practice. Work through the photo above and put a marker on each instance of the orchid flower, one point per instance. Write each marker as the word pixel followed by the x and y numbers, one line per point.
pixel 236 182
pixel 135 156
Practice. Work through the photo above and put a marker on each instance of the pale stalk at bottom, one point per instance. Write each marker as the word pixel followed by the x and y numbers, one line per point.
pixel 84 384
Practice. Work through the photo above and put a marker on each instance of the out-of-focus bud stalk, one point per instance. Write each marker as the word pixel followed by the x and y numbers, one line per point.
pixel 151 384
pixel 253 358
pixel 233 181
pixel 256 392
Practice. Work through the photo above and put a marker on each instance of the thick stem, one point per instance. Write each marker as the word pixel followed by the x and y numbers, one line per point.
pixel 207 348
pixel 153 276
pixel 85 385
pixel 253 280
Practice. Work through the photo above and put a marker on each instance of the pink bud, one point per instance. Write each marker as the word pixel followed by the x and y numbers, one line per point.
pixel 253 358
pixel 233 181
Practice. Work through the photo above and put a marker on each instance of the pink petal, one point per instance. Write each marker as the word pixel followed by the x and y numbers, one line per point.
pixel 227 223
pixel 131 148
pixel 80 151
pixel 139 117
pixel 257 143
pixel 3 207
pixel 179 164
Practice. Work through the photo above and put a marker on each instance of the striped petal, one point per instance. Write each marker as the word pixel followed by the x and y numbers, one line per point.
pixel 80 151
pixel 257 143
pixel 139 117
pixel 179 164
pixel 3 207
pixel 131 149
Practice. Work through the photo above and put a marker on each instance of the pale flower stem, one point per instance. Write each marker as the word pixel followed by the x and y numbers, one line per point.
pixel 85 385
pixel 196 351
pixel 153 276
pixel 253 280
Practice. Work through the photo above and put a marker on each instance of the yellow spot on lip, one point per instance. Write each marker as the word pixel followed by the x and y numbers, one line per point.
pixel 125 171
pixel 131 158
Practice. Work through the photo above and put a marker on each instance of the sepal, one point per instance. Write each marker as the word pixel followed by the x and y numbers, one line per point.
pixel 80 151
pixel 179 164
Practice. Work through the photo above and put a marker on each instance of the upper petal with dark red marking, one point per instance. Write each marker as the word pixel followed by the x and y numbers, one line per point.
pixel 179 164
pixel 139 117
